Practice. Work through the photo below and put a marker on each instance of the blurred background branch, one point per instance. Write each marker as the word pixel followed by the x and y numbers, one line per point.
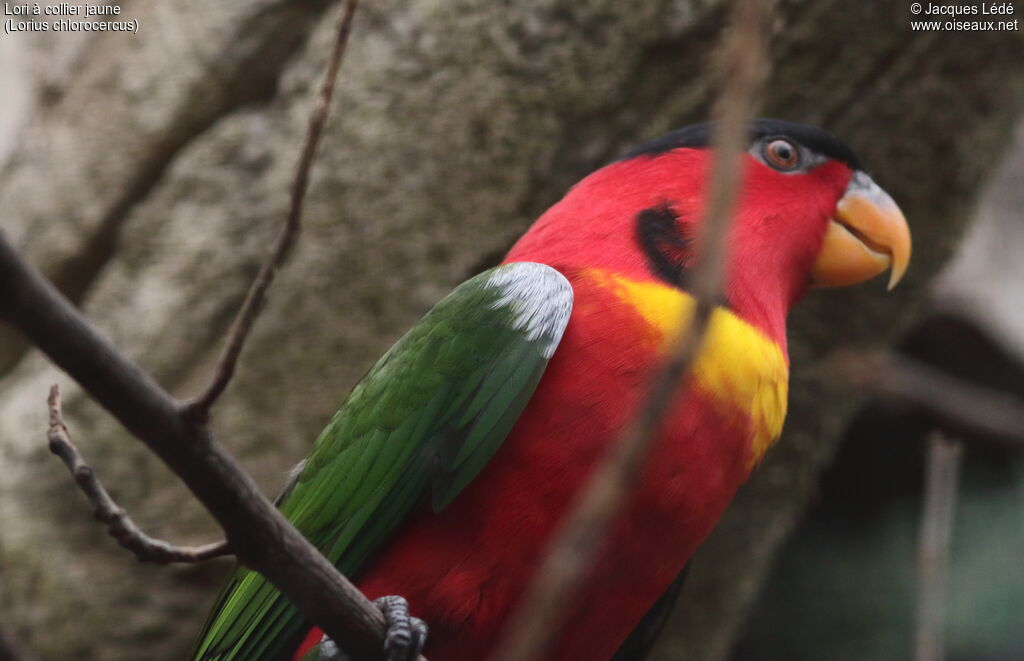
pixel 941 483
pixel 742 66
pixel 959 404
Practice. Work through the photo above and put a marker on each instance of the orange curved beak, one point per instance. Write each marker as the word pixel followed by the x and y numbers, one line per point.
pixel 867 236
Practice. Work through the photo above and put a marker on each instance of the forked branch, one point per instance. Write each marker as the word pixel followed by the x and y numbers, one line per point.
pixel 256 531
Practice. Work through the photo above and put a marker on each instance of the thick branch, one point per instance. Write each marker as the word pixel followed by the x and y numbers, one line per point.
pixel 960 405
pixel 119 524
pixel 289 233
pixel 255 529
pixel 546 602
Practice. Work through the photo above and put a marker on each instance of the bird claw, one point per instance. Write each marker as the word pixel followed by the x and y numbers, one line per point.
pixel 406 635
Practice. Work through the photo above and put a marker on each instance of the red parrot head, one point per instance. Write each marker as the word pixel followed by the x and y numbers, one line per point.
pixel 806 215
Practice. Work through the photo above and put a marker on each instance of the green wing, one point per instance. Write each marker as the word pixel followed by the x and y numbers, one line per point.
pixel 428 415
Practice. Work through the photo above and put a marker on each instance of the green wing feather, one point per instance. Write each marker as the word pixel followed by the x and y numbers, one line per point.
pixel 427 416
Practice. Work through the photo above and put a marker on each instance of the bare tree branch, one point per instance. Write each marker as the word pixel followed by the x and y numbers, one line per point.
pixel 940 492
pixel 260 536
pixel 119 524
pixel 547 599
pixel 9 651
pixel 960 405
pixel 289 233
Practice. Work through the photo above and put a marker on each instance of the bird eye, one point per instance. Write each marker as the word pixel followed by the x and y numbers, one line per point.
pixel 782 155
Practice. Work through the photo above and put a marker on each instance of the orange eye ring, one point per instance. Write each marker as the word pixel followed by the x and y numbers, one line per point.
pixel 782 155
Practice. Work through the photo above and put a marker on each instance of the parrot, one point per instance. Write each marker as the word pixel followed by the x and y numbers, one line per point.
pixel 443 477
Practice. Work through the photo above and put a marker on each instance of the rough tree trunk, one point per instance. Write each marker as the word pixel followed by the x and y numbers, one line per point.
pixel 154 168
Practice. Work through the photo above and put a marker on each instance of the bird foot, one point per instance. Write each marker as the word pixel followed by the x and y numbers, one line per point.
pixel 406 634
pixel 405 638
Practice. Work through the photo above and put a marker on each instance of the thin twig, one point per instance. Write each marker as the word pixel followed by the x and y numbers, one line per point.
pixel 962 406
pixel 119 524
pixel 9 651
pixel 550 594
pixel 940 490
pixel 287 236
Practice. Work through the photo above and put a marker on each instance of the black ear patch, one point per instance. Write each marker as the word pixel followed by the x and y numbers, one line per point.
pixel 667 249
pixel 697 136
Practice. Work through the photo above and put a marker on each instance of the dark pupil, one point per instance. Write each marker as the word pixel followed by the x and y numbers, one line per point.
pixel 783 153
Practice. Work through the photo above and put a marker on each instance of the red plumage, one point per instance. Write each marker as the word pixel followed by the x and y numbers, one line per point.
pixel 463 569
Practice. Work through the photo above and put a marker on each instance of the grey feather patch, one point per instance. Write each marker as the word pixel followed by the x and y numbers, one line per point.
pixel 296 471
pixel 540 299
pixel 293 478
